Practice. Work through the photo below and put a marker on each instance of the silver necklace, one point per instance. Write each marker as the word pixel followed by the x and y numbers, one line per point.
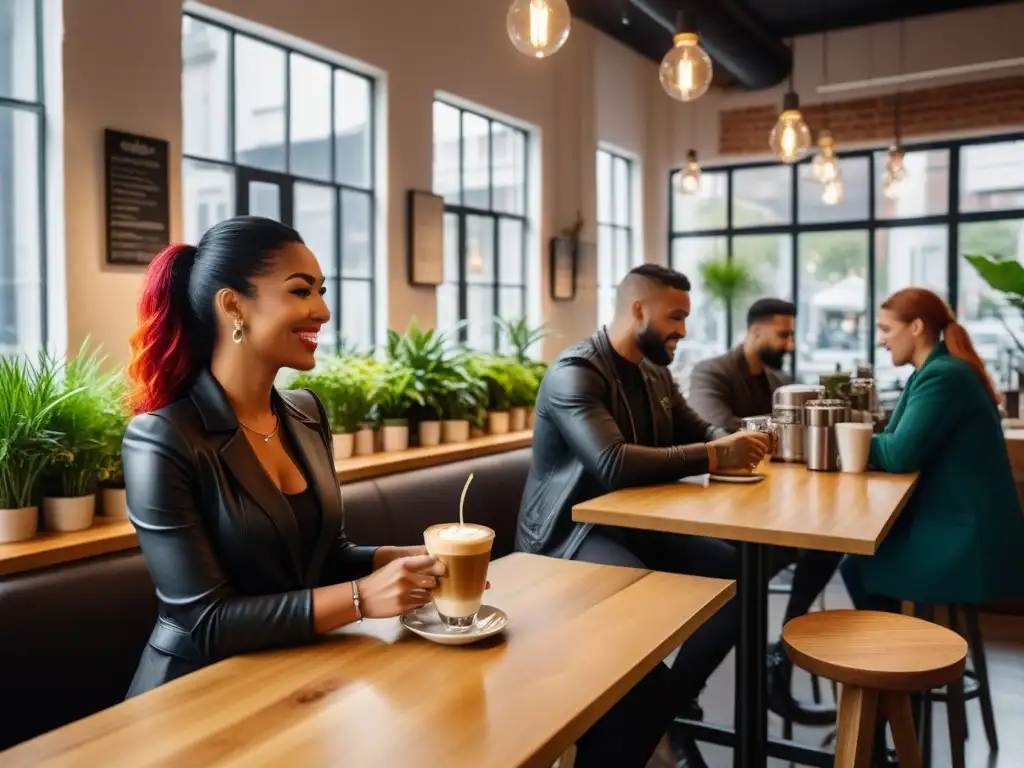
pixel 267 437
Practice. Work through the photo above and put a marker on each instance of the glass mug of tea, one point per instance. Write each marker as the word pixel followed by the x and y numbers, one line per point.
pixel 465 551
pixel 766 425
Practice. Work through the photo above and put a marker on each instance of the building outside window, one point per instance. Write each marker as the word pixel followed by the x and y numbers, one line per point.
pixel 838 263
pixel 272 131
pixel 22 179
pixel 480 168
pixel 615 228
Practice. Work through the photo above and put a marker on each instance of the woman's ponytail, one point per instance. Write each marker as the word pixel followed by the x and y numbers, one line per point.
pixel 959 344
pixel 161 360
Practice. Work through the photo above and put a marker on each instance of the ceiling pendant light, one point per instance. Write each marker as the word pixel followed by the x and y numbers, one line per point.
pixel 538 28
pixel 689 179
pixel 895 172
pixel 825 166
pixel 686 70
pixel 834 191
pixel 790 138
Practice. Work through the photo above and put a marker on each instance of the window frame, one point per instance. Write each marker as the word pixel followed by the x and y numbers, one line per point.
pixel 37 108
pixel 952 219
pixel 629 228
pixel 462 212
pixel 338 279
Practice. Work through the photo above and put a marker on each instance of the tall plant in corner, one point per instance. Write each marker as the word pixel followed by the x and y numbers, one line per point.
pixel 727 280
pixel 1007 277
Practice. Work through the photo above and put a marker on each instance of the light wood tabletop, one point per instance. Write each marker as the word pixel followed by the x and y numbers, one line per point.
pixel 791 507
pixel 579 636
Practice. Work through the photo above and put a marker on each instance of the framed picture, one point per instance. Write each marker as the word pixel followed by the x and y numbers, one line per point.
pixel 563 268
pixel 137 197
pixel 425 238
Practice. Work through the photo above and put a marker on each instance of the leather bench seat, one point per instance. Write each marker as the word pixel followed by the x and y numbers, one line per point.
pixel 71 635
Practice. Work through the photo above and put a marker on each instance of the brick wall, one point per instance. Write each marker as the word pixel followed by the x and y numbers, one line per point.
pixel 967 107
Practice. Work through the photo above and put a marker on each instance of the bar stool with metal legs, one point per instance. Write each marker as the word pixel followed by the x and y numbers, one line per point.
pixel 879 659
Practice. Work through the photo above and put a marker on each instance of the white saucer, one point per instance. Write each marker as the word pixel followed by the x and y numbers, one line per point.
pixel 425 622
pixel 736 478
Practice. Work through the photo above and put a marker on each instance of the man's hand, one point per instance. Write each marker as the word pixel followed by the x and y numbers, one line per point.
pixel 385 555
pixel 742 450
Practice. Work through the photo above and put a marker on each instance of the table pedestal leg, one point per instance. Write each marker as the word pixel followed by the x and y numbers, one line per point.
pixel 751 654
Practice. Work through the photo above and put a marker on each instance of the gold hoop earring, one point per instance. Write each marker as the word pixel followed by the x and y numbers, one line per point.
pixel 236 336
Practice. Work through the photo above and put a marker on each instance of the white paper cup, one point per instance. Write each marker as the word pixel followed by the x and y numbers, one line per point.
pixel 854 441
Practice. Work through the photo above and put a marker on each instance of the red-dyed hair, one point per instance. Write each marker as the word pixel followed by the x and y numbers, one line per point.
pixel 920 304
pixel 162 362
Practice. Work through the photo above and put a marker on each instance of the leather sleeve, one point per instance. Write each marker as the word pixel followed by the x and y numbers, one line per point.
pixel 709 397
pixel 576 398
pixel 161 480
pixel 345 561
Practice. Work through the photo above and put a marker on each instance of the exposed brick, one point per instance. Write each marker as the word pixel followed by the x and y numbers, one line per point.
pixel 927 112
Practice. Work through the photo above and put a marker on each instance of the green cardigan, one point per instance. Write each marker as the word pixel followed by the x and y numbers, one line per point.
pixel 960 538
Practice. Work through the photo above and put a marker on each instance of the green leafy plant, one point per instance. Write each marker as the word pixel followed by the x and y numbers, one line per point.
pixel 493 372
pixel 395 393
pixel 345 384
pixel 521 337
pixel 113 418
pixel 1005 276
pixel 727 279
pixel 28 444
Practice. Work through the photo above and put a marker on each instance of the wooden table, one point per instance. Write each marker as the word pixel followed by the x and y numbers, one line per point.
pixel 792 507
pixel 580 636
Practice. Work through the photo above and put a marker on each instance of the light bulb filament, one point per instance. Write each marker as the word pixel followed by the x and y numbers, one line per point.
pixel 788 139
pixel 540 23
pixel 685 76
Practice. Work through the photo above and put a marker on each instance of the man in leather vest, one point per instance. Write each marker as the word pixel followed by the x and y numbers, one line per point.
pixel 726 389
pixel 609 416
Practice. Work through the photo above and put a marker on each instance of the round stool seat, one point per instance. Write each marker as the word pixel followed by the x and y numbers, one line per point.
pixel 872 649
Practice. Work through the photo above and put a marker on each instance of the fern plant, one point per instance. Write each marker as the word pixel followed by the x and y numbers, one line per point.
pixel 727 279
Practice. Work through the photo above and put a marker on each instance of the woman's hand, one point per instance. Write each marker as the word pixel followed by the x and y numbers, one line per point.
pixel 385 555
pixel 402 585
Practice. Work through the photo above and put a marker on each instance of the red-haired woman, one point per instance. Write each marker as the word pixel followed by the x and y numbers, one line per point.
pixel 960 537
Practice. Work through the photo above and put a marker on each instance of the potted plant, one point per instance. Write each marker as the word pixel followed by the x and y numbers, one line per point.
pixel 522 338
pixel 28 393
pixel 522 393
pixel 344 384
pixel 72 478
pixel 493 373
pixel 394 396
pixel 1007 277
pixel 114 416
pixel 460 402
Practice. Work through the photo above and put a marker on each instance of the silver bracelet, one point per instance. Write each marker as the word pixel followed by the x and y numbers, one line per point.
pixel 355 602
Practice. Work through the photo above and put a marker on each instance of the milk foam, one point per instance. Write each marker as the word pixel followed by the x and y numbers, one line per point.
pixel 462 533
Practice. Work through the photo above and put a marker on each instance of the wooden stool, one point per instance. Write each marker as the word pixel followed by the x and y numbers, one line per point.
pixel 879 658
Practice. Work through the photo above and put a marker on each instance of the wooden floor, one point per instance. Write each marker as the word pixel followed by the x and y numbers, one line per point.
pixel 1004 643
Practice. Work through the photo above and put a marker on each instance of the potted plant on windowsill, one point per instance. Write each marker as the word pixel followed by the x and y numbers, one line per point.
pixel 344 384
pixel 460 403
pixel 1005 275
pixel 28 393
pixel 114 416
pixel 522 338
pixel 394 396
pixel 492 371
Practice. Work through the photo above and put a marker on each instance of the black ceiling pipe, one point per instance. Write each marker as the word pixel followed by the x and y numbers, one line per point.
pixel 731 35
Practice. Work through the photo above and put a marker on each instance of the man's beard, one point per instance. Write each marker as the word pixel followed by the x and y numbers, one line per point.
pixel 653 347
pixel 772 358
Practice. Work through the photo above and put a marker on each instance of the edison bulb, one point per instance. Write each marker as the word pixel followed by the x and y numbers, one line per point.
pixel 825 166
pixel 790 138
pixel 894 174
pixel 689 180
pixel 686 70
pixel 833 192
pixel 538 28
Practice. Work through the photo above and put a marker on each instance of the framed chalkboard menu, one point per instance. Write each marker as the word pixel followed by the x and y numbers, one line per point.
pixel 138 197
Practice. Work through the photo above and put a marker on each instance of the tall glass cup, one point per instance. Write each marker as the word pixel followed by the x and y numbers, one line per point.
pixel 465 551
pixel 766 425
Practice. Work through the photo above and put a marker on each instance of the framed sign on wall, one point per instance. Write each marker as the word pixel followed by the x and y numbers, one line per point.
pixel 137 197
pixel 425 238
pixel 563 268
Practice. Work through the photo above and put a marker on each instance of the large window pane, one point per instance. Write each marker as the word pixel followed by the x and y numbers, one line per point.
pixel 510 257
pixel 357 314
pixel 770 260
pixel 510 303
pixel 18 49
pixel 604 187
pixel 476 161
pixel 907 257
pixel 451 248
pixel 924 191
pixel 21 256
pixel 605 256
pixel 762 196
pixel 447 306
pixel 447 153
pixel 509 157
pixel 984 312
pixel 853 206
pixel 259 104
pixel 353 129
pixel 480 317
pixel 310 110
pixel 705 328
pixel 356 234
pixel 205 99
pixel 992 176
pixel 208 196
pixel 621 188
pixel 705 209
pixel 832 313
pixel 316 221
pixel 479 249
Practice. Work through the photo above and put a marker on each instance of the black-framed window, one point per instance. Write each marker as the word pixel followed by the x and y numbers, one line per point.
pixel 838 263
pixel 23 281
pixel 615 221
pixel 274 131
pixel 480 166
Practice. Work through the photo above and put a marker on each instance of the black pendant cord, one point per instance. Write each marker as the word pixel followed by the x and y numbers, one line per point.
pixel 824 77
pixel 898 108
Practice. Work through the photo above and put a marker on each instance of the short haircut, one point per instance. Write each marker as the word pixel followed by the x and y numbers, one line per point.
pixel 766 309
pixel 662 275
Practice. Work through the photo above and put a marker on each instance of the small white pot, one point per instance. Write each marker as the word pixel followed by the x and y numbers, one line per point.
pixel 430 433
pixel 18 524
pixel 498 422
pixel 455 431
pixel 529 418
pixel 74 514
pixel 344 445
pixel 396 438
pixel 365 442
pixel 113 502
pixel 517 419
